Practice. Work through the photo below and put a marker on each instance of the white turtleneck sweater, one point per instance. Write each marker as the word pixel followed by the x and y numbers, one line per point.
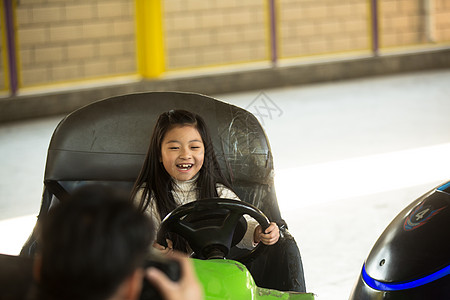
pixel 185 192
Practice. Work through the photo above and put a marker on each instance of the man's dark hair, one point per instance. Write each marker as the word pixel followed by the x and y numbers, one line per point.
pixel 90 244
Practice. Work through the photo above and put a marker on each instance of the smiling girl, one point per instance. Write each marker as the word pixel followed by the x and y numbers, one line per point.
pixel 181 167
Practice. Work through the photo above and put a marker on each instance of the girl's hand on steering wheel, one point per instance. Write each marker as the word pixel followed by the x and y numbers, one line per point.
pixel 164 250
pixel 269 237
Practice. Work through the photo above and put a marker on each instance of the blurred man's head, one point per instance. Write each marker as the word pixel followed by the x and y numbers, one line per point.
pixel 92 247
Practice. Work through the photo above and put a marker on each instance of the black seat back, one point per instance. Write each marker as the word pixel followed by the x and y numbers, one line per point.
pixel 107 141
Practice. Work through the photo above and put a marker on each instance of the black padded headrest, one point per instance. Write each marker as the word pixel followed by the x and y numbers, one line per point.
pixel 107 140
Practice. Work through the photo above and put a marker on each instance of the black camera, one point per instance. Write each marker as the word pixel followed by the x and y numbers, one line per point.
pixel 168 266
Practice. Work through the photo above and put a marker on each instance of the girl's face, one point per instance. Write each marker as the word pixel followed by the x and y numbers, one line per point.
pixel 182 152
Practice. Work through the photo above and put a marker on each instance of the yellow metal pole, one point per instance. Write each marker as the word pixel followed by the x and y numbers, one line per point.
pixel 149 38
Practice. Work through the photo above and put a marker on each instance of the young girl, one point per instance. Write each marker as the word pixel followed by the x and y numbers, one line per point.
pixel 181 167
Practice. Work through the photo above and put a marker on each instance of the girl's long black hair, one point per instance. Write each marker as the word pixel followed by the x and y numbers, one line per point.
pixel 157 184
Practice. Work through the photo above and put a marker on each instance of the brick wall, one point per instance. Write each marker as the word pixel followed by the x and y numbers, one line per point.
pixel 323 26
pixel 404 22
pixel 309 27
pixel 442 20
pixel 75 39
pixel 68 40
pixel 203 33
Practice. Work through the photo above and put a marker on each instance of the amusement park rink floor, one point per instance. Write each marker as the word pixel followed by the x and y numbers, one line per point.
pixel 349 156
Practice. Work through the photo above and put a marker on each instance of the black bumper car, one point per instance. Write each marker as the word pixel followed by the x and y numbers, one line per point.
pixel 411 259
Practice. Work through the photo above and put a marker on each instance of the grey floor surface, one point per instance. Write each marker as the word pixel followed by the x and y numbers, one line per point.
pixel 349 156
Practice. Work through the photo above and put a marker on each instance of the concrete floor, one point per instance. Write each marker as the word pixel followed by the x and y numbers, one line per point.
pixel 349 156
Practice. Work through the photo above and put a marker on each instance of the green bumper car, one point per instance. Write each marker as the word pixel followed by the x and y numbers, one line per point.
pixel 105 143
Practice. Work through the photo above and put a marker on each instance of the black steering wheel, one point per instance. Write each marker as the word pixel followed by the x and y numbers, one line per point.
pixel 208 226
